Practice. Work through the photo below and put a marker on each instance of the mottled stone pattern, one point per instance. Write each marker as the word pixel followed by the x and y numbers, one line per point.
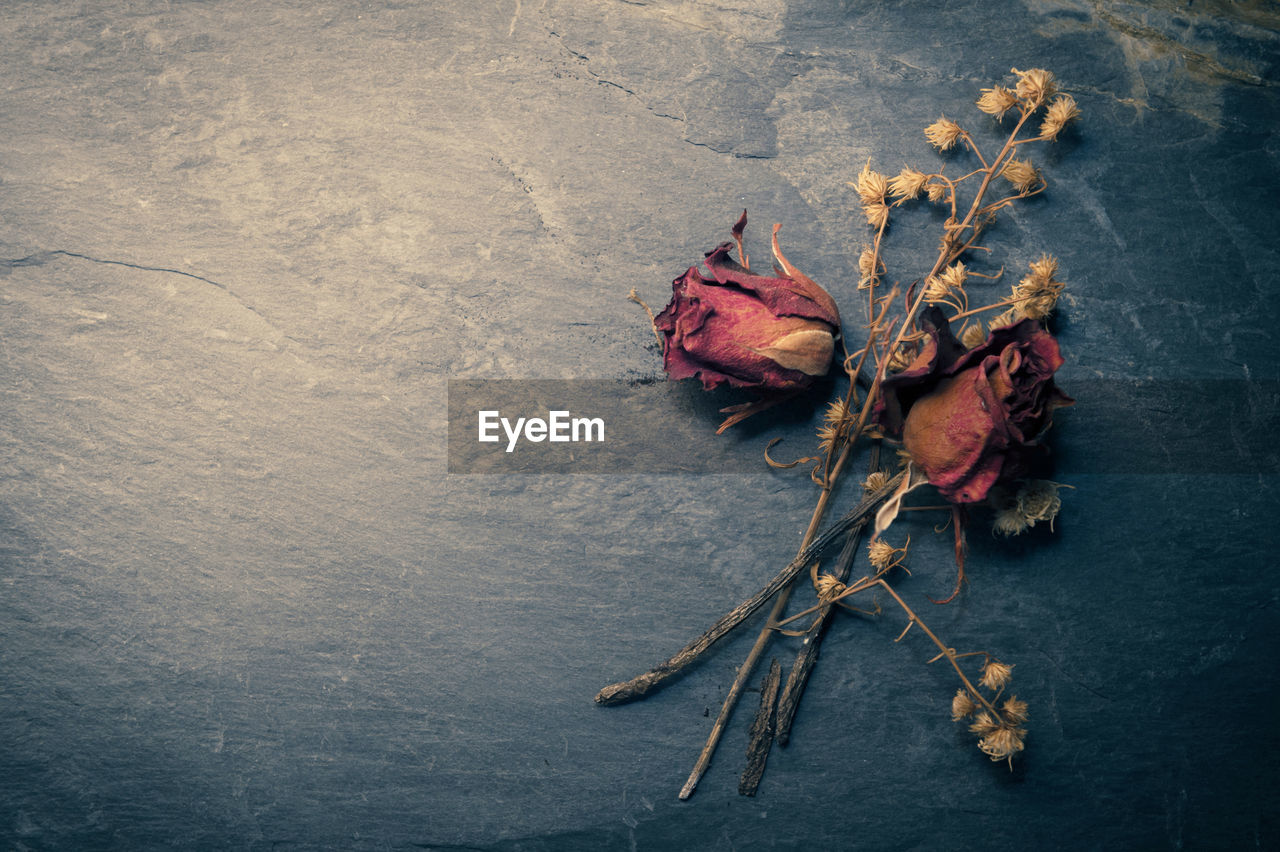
pixel 243 248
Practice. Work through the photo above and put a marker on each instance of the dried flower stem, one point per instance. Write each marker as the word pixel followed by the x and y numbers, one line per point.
pixel 807 656
pixel 641 685
pixel 948 652
pixel 762 639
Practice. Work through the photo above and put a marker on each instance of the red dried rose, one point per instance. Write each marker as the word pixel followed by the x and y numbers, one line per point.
pixel 752 331
pixel 972 418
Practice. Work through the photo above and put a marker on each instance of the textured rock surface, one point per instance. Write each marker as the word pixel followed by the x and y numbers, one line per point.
pixel 246 244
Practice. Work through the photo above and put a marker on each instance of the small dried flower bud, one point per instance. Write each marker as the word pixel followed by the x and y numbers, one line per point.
pixel 943 133
pixel 1021 174
pixel 1060 113
pixel 997 101
pixel 877 214
pixel 937 191
pixel 983 724
pixel 1034 86
pixel 871 185
pixel 902 358
pixel 995 674
pixel 955 275
pixel 1038 500
pixel 936 290
pixel 1002 744
pixel 962 705
pixel 828 588
pixel 1009 521
pixel 1014 710
pixel 881 554
pixel 868 268
pixel 876 480
pixel 908 184
pixel 972 336
pixel 1043 270
pixel 1007 318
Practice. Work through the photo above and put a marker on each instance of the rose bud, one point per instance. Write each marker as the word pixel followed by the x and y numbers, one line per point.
pixel 752 331
pixel 972 418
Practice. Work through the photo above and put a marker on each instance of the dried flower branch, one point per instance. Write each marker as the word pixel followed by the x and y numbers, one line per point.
pixel 969 406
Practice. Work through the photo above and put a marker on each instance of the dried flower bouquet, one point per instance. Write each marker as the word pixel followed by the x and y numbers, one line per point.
pixel 966 402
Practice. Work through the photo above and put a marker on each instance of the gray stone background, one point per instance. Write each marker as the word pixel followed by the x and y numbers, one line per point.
pixel 245 245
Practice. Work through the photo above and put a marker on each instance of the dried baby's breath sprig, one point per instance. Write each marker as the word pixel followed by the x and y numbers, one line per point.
pixel 908 183
pixel 997 100
pixel 943 134
pixel 1022 174
pixel 963 705
pixel 1060 113
pixel 995 674
pixel 1034 87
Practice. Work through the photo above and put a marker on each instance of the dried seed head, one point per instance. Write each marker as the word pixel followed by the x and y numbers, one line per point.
pixel 868 268
pixel 1035 86
pixel 997 101
pixel 937 191
pixel 876 480
pixel 881 554
pixel 972 336
pixel 902 358
pixel 936 290
pixel 962 705
pixel 1021 174
pixel 1060 113
pixel 1009 317
pixel 1014 711
pixel 955 275
pixel 1043 270
pixel 871 185
pixel 995 674
pixel 943 133
pixel 877 214
pixel 1038 500
pixel 1003 743
pixel 983 724
pixel 908 183
pixel 1009 521
pixel 828 587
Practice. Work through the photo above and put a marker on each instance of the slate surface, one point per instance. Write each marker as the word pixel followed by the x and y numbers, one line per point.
pixel 246 607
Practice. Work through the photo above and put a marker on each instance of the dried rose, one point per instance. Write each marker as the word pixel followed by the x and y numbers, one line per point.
pixel 752 331
pixel 972 418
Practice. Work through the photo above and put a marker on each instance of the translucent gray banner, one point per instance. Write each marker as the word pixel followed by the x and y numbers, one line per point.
pixel 629 426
